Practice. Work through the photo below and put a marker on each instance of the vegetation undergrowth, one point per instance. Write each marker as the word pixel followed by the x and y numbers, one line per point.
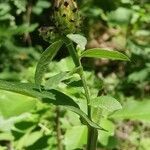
pixel 67 21
pixel 61 104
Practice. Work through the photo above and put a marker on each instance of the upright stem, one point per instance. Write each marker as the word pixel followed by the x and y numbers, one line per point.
pixel 77 62
pixel 92 132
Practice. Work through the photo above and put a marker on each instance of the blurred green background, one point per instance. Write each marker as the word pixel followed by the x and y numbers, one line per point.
pixel 123 25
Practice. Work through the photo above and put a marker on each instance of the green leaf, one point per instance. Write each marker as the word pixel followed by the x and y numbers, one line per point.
pixel 136 110
pixel 19 104
pixel 25 28
pixel 120 16
pixel 6 137
pixel 139 76
pixel 43 4
pixel 40 6
pixel 22 88
pixel 104 136
pixel 45 59
pixel 107 103
pixel 31 138
pixel 145 143
pixel 101 53
pixel 80 40
pixel 51 96
pixel 55 80
pixel 75 137
pixel 6 124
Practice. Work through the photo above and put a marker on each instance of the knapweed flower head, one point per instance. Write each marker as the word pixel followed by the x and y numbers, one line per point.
pixel 66 16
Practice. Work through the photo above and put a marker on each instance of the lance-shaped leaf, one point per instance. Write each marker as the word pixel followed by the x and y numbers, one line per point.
pixel 101 53
pixel 51 96
pixel 45 59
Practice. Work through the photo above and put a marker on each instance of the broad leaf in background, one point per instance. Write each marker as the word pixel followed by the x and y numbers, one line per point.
pixel 8 124
pixel 6 137
pixel 101 53
pixel 120 16
pixel 51 96
pixel 107 103
pixel 12 104
pixel 75 137
pixel 45 59
pixel 103 137
pixel 65 64
pixel 139 76
pixel 80 40
pixel 135 110
pixel 29 139
pixel 145 143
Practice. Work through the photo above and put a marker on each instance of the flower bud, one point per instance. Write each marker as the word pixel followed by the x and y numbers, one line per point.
pixel 66 16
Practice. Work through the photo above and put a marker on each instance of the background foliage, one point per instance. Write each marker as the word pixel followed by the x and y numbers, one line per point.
pixel 26 123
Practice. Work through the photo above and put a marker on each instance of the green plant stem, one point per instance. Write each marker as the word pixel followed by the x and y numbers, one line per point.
pixel 92 139
pixel 77 63
pixel 92 132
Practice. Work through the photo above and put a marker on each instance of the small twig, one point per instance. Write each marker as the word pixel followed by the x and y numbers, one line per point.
pixel 27 19
pixel 58 130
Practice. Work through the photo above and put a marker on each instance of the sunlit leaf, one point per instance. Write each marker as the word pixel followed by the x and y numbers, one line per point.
pixel 6 137
pixel 75 137
pixel 6 124
pixel 104 136
pixel 32 138
pixel 101 53
pixel 135 110
pixel 107 103
pixel 19 104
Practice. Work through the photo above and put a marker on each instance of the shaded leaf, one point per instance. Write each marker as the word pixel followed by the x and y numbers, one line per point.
pixel 45 59
pixel 101 53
